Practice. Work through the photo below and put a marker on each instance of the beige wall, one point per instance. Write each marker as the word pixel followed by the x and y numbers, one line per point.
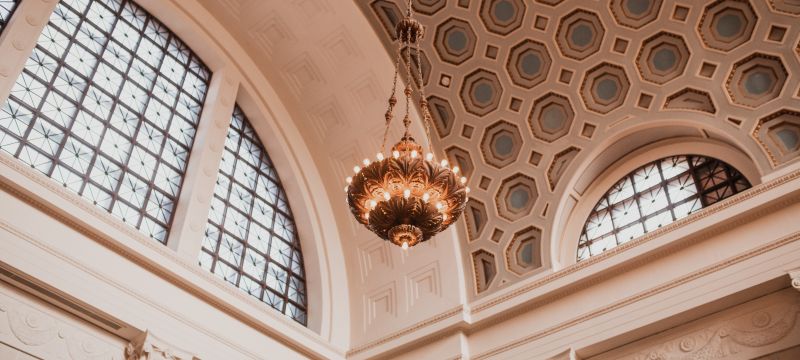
pixel 367 300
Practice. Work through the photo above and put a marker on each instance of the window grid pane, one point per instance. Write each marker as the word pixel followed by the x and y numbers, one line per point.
pixel 655 195
pixel 7 8
pixel 107 105
pixel 250 239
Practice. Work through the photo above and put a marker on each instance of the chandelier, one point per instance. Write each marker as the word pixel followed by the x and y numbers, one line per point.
pixel 406 196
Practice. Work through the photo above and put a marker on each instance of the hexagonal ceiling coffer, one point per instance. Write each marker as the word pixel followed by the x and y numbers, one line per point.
pixel 455 41
pixel 551 117
pixel 756 79
pixel 779 136
pixel 528 63
pixel 462 158
pixel 476 217
pixel 502 16
pixel 635 13
pixel 501 144
pixel 442 114
pixel 481 92
pixel 516 197
pixel 580 34
pixel 484 267
pixel 523 253
pixel 726 24
pixel 604 88
pixel 663 57
pixel 428 7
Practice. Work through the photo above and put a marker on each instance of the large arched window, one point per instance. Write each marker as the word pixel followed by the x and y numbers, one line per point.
pixel 107 106
pixel 250 239
pixel 6 9
pixel 655 195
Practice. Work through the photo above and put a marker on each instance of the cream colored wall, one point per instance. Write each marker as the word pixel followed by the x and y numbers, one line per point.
pixel 367 299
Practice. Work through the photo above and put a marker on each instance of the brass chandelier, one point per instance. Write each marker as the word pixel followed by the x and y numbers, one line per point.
pixel 404 196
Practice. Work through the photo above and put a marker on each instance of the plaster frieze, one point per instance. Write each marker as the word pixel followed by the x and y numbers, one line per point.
pixel 47 335
pixel 744 332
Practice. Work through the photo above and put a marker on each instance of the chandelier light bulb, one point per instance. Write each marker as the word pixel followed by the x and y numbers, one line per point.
pixel 439 205
pixel 455 169
pixel 366 216
pixel 463 180
pixel 444 217
pixel 356 169
pixel 348 180
pixel 379 156
pixel 429 156
pixel 426 197
pixel 396 154
pixel 414 154
pixel 373 204
pixel 406 193
pixel 365 161
pixel 444 163
pixel 466 189
pixel 405 245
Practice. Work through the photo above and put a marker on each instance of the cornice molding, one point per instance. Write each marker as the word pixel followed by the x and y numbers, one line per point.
pixel 702 214
pixel 147 346
pixel 123 248
pixel 644 294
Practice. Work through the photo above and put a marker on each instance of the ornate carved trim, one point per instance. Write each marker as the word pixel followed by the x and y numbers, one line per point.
pixel 148 347
pixel 795 275
pixel 643 295
pixel 430 321
pixel 44 335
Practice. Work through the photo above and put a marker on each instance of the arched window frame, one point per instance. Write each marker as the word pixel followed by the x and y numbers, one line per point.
pixel 679 185
pixel 565 243
pixel 228 62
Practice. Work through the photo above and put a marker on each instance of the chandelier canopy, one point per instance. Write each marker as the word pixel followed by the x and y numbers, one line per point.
pixel 406 197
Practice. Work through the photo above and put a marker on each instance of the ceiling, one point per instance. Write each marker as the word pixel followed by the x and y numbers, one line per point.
pixel 525 95
pixel 529 98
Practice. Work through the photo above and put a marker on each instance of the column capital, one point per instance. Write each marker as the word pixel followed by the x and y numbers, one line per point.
pixel 146 346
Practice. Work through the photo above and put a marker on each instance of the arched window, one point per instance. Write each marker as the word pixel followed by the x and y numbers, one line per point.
pixel 655 195
pixel 6 9
pixel 250 239
pixel 107 106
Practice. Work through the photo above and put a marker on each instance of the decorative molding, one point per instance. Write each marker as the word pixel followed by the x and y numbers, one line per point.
pixel 568 354
pixel 702 214
pixel 795 276
pixel 43 335
pixel 734 336
pixel 430 321
pixel 148 347
pixel 126 251
pixel 644 294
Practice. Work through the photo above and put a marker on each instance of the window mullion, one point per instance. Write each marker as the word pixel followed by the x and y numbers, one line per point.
pixel 194 202
pixel 18 39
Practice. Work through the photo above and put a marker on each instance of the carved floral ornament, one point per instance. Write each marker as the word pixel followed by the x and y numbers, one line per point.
pixel 739 337
pixel 43 335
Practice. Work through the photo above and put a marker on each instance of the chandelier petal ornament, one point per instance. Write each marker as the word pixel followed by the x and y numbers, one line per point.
pixel 406 197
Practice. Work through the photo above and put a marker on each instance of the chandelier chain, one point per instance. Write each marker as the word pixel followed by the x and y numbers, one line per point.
pixel 392 98
pixel 423 102
pixel 410 79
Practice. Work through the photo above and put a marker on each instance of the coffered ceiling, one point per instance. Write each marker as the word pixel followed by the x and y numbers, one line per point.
pixel 525 94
